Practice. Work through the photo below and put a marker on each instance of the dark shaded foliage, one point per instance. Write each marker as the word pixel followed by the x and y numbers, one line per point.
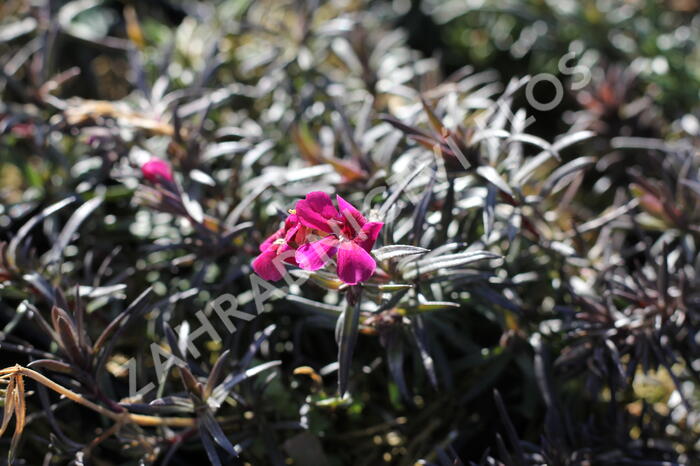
pixel 536 299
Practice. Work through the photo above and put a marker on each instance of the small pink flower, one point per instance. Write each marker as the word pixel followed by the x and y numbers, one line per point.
pixel 156 170
pixel 279 247
pixel 346 235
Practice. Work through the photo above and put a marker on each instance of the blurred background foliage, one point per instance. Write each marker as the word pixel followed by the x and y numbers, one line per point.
pixel 554 319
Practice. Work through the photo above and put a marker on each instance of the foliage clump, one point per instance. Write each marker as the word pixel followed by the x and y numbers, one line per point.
pixel 448 271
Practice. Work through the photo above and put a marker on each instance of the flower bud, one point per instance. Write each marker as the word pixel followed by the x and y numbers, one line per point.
pixel 157 170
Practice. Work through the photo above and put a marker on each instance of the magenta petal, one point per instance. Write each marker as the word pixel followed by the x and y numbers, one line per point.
pixel 355 265
pixel 270 239
pixel 266 266
pixel 290 221
pixel 368 235
pixel 313 256
pixel 317 211
pixel 321 203
pixel 289 236
pixel 287 254
pixel 310 218
pixel 347 210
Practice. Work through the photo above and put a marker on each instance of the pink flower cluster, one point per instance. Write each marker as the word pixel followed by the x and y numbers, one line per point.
pixel 317 232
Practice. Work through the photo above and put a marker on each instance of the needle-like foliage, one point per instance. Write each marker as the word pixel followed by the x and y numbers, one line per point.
pixel 350 232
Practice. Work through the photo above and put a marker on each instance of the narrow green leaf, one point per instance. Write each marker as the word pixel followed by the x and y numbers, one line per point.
pixel 397 250
pixel 346 335
pixel 27 227
pixel 78 217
